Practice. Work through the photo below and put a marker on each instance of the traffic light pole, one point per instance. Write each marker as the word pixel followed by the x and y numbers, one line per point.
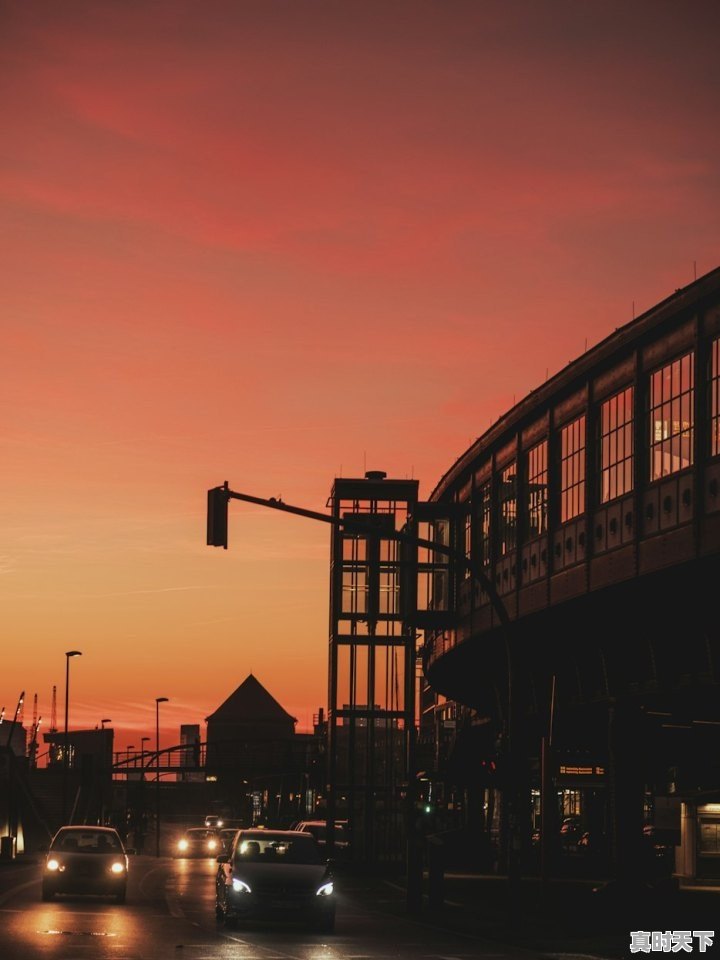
pixel 217 536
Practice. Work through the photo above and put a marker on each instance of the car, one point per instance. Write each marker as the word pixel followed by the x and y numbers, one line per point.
pixel 214 821
pixel 199 842
pixel 85 860
pixel 275 875
pixel 318 829
pixel 227 837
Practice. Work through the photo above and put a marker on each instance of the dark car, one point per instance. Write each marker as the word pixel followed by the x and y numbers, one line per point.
pixel 274 875
pixel 318 829
pixel 86 860
pixel 199 842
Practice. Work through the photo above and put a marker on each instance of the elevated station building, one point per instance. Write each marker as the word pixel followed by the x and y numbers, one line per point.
pixel 593 507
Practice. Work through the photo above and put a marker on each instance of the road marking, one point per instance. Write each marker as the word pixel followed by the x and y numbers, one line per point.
pixel 76 933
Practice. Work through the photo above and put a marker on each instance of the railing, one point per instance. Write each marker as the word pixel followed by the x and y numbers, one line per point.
pixel 148 762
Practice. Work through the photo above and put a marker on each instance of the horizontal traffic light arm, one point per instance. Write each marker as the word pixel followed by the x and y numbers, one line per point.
pixel 358 525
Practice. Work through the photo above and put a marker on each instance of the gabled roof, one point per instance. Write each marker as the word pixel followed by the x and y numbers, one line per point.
pixel 250 703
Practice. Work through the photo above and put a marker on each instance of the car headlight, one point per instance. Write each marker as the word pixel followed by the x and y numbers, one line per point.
pixel 212 844
pixel 239 886
pixel 220 822
pixel 53 864
pixel 183 845
pixel 118 867
pixel 325 890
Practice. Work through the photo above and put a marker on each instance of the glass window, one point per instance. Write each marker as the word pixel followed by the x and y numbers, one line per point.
pixel 572 470
pixel 389 587
pixel 354 590
pixel 467 540
pixel 571 803
pixel 537 491
pixel 715 398
pixel 507 500
pixel 709 837
pixel 616 446
pixel 485 517
pixel 672 428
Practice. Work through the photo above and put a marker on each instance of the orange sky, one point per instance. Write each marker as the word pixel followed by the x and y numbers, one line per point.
pixel 273 242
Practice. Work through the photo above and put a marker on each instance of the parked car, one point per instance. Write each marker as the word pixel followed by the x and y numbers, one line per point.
pixel 318 829
pixel 86 860
pixel 199 842
pixel 274 875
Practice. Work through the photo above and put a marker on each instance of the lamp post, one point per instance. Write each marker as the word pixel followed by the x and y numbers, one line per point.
pixel 158 701
pixel 143 741
pixel 103 722
pixel 68 655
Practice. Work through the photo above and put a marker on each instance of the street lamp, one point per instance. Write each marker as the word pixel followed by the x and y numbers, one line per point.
pixel 143 741
pixel 158 701
pixel 68 655
pixel 103 722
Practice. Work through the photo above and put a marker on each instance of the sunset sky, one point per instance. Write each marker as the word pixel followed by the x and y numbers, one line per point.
pixel 276 242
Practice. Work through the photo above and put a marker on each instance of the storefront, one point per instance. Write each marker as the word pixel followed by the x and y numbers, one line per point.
pixel 698 856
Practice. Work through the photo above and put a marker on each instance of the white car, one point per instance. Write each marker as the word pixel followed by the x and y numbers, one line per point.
pixel 86 860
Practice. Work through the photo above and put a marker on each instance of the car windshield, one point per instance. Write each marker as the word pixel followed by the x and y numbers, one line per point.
pixel 201 834
pixel 269 849
pixel 86 841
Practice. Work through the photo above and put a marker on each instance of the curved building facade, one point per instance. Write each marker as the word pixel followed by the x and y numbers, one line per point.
pixel 593 509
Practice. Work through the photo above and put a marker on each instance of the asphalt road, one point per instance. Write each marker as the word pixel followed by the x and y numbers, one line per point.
pixel 170 913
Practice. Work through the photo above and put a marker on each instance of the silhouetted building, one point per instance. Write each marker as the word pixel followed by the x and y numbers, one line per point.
pixel 249 740
pixel 190 755
pixel 14 737
pixel 593 508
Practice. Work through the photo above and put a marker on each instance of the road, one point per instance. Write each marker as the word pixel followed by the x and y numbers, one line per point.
pixel 170 913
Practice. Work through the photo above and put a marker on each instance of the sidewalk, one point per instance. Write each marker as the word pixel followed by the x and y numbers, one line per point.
pixel 566 918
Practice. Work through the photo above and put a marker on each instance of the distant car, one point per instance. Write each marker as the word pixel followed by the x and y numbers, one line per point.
pixel 214 821
pixel 199 842
pixel 86 860
pixel 318 829
pixel 275 875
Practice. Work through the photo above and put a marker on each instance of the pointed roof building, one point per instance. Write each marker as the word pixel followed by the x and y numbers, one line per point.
pixel 250 703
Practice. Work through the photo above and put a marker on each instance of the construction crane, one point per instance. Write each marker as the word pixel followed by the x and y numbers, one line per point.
pixel 33 748
pixel 33 730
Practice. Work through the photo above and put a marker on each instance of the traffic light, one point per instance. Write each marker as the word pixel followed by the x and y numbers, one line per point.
pixel 217 517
